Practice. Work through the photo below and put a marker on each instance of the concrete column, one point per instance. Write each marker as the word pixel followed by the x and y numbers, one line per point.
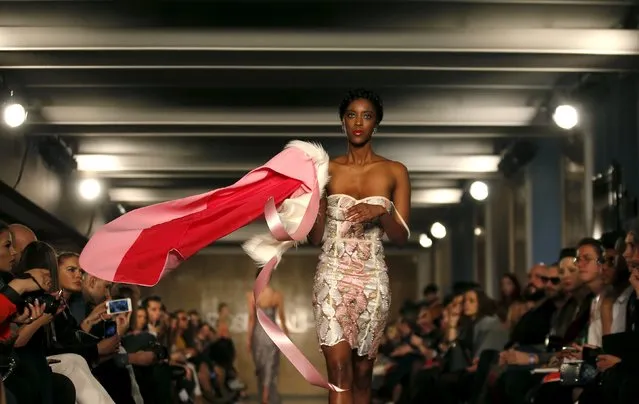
pixel 463 243
pixel 544 203
pixel 424 270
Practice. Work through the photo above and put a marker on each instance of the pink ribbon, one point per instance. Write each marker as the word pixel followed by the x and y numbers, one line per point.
pixel 275 333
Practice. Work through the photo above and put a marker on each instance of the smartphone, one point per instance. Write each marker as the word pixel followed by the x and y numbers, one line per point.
pixel 119 306
pixel 110 328
pixel 590 355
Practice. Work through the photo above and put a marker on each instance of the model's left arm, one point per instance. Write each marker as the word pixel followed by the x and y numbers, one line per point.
pixel 397 231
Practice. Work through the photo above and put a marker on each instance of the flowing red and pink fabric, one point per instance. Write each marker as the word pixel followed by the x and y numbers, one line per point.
pixel 139 246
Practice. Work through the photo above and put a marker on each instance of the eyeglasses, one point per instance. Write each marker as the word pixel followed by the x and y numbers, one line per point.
pixel 586 259
pixel 554 280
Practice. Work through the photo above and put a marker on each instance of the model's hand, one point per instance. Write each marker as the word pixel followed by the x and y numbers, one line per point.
pixel 364 212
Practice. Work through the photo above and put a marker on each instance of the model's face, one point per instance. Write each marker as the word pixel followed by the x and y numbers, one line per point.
pixel 359 121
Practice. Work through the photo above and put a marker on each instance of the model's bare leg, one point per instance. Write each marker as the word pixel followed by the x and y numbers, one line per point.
pixel 340 371
pixel 362 378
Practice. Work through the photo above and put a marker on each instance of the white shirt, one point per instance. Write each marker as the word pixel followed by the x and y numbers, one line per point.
pixel 619 311
pixel 595 330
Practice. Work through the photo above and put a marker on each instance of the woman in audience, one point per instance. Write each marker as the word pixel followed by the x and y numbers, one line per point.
pixel 266 355
pixel 509 293
pixel 73 353
pixel 34 338
pixel 479 330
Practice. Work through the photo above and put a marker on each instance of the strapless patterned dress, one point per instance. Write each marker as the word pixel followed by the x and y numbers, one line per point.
pixel 351 296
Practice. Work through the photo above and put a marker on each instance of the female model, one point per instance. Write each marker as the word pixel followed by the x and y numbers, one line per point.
pixel 265 353
pixel 368 196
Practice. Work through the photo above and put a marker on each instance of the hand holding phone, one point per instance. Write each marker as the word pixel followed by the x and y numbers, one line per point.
pixel 118 306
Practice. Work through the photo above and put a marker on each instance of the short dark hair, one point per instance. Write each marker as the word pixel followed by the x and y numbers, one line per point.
pixel 594 243
pixel 221 306
pixel 149 299
pixel 430 288
pixel 361 93
pixel 609 239
pixel 568 252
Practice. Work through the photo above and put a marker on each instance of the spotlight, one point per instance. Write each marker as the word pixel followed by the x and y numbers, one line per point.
pixel 478 231
pixel 438 230
pixel 566 116
pixel 479 190
pixel 425 241
pixel 14 115
pixel 90 189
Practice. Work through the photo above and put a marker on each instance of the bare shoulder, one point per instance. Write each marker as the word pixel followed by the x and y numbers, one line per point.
pixel 337 161
pixel 398 169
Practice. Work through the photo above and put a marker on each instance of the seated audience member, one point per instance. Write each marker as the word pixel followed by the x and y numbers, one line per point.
pixel 509 294
pixel 87 338
pixel 33 338
pixel 616 277
pixel 430 295
pixel 19 384
pixel 147 356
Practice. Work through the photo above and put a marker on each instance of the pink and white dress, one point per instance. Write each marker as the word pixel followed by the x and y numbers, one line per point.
pixel 351 295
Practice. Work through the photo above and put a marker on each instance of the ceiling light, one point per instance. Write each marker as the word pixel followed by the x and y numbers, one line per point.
pixel 478 231
pixel 436 196
pixel 90 189
pixel 425 241
pixel 566 116
pixel 97 162
pixel 14 114
pixel 438 230
pixel 479 190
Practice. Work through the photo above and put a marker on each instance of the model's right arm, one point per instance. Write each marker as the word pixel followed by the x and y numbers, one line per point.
pixel 317 232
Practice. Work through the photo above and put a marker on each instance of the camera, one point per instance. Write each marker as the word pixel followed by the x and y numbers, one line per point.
pixel 51 303
pixel 159 350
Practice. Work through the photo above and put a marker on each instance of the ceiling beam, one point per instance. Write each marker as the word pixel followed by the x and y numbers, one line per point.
pixel 217 62
pixel 428 115
pixel 261 149
pixel 307 94
pixel 112 133
pixel 414 163
pixel 147 196
pixel 177 181
pixel 476 41
pixel 232 176
pixel 150 79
